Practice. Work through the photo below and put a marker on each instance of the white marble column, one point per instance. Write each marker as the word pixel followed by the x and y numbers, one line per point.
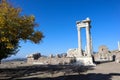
pixel 88 40
pixel 118 46
pixel 79 42
pixel 85 51
pixel 91 50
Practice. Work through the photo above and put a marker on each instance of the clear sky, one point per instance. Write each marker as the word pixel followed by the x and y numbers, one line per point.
pixel 57 20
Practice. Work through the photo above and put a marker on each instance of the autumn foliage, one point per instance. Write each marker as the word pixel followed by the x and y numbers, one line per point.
pixel 15 27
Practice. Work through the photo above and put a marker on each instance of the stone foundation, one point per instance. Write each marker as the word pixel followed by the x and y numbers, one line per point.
pixel 51 61
pixel 86 61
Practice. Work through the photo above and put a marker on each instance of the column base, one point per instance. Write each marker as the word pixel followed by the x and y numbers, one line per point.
pixel 85 61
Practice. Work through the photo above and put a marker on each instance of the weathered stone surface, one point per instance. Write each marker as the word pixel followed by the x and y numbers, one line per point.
pixel 51 56
pixel 86 61
pixel 117 57
pixel 34 55
pixel 51 61
pixel 84 24
pixel 103 54
pixel 103 49
pixel 58 56
pixel 73 53
pixel 30 60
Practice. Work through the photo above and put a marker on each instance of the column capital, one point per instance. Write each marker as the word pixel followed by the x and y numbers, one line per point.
pixel 78 28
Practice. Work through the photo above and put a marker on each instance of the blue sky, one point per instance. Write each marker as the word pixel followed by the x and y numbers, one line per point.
pixel 57 20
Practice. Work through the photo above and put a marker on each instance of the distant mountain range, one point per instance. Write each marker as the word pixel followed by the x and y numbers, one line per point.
pixel 17 59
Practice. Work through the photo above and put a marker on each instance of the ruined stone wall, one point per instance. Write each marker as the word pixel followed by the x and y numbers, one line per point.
pixel 103 54
pixel 51 61
pixel 30 60
pixel 116 56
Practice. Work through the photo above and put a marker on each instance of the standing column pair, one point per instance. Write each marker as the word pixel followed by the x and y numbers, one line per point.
pixel 84 24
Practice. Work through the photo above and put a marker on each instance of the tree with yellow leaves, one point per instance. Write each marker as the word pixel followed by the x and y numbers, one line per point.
pixel 15 27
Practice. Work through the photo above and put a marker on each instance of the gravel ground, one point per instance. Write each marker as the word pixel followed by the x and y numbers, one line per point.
pixel 23 71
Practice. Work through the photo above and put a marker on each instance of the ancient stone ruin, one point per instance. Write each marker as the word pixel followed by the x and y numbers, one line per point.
pixel 78 56
pixel 83 57
pixel 51 60
pixel 104 54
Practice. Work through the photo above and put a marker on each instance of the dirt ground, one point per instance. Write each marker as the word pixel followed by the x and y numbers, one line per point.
pixel 105 71
pixel 23 71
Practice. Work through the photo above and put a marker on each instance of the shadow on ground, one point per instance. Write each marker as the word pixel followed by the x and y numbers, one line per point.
pixel 68 72
pixel 30 72
pixel 90 76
